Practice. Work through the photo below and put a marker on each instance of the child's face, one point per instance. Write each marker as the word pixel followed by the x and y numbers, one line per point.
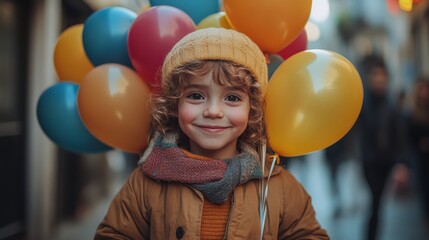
pixel 213 116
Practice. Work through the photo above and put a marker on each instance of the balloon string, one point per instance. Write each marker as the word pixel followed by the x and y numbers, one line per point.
pixel 275 157
pixel 261 186
pixel 261 189
pixel 264 193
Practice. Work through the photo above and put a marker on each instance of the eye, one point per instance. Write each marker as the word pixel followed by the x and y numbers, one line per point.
pixel 233 98
pixel 195 96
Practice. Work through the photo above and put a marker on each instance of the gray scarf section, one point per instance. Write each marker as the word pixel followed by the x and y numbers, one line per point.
pixel 239 169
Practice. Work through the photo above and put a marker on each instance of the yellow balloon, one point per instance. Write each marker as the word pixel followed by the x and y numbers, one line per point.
pixel 217 20
pixel 313 99
pixel 271 24
pixel 70 60
pixel 113 102
pixel 144 8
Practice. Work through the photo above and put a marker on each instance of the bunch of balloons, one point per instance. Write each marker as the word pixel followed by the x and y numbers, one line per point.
pixel 109 65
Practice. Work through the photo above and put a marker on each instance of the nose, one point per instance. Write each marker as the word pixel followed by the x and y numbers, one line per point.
pixel 213 110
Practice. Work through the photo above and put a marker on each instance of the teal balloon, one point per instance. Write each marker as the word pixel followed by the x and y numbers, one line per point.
pixel 275 61
pixel 196 9
pixel 105 36
pixel 58 116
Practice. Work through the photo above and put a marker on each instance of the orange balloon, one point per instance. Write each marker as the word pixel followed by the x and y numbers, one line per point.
pixel 271 24
pixel 218 20
pixel 70 60
pixel 113 102
pixel 313 99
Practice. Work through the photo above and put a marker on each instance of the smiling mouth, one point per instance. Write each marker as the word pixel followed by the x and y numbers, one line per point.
pixel 212 129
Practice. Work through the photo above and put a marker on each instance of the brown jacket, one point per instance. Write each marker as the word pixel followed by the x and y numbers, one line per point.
pixel 146 209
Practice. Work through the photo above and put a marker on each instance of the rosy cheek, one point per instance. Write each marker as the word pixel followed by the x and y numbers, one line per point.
pixel 239 118
pixel 187 113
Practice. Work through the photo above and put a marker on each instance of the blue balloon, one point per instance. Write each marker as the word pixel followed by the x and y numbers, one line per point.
pixel 59 119
pixel 196 9
pixel 105 35
pixel 275 61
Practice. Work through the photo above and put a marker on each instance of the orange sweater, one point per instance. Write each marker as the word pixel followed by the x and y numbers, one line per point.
pixel 215 216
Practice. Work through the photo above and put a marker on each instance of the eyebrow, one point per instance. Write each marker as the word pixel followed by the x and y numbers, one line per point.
pixel 230 88
pixel 237 88
pixel 195 86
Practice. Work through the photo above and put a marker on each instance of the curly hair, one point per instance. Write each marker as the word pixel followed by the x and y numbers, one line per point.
pixel 225 73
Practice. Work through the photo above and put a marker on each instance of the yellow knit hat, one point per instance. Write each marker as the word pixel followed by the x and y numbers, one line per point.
pixel 218 44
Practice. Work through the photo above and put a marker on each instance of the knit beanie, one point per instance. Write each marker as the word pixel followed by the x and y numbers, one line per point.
pixel 218 44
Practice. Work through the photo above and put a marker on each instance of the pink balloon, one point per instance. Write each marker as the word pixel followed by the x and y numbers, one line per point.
pixel 296 46
pixel 152 35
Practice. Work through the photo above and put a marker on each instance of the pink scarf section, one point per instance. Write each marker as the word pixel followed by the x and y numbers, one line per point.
pixel 179 167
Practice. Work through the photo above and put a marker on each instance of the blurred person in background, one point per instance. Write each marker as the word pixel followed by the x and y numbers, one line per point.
pixel 418 133
pixel 379 138
pixel 335 155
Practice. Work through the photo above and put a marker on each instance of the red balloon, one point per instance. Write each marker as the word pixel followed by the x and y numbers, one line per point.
pixel 152 35
pixel 296 46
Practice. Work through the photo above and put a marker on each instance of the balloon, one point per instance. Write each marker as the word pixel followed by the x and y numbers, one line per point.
pixel 298 45
pixel 270 24
pixel 274 62
pixel 152 35
pixel 144 8
pixel 218 20
pixel 59 119
pixel 197 10
pixel 70 60
pixel 312 101
pixel 113 104
pixel 105 35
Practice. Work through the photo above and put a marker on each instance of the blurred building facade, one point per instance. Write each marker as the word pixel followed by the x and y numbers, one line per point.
pixel 41 184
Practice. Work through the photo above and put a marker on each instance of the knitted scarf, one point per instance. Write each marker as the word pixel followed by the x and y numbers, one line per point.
pixel 163 160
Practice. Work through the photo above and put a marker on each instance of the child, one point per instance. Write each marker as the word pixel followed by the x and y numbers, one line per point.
pixel 201 176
